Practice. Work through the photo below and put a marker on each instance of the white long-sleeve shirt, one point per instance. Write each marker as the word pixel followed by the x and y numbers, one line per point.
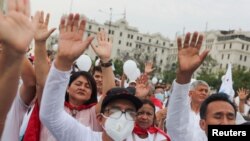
pixel 182 123
pixel 52 114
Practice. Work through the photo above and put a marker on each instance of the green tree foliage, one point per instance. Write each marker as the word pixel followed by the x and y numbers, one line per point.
pixel 118 67
pixel 169 75
pixel 241 79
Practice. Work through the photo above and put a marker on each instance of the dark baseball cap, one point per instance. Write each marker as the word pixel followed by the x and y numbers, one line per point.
pixel 120 93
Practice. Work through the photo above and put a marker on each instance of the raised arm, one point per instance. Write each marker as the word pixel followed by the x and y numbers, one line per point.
pixel 52 113
pixel 178 109
pixel 16 33
pixel 242 93
pixel 28 88
pixel 41 59
pixel 103 50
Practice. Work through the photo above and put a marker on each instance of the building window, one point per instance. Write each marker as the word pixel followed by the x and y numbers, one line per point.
pixel 220 66
pixel 90 27
pixel 224 46
pixel 113 32
pixel 99 29
pixel 120 34
pixel 132 36
pixel 228 56
pixel 230 45
pixel 163 43
pixel 130 44
pixel 222 56
pixel 155 49
pixel 140 38
pixel 137 37
pixel 242 47
pixel 148 48
pixel 161 61
pixel 120 42
pixel 238 67
pixel 162 51
pixel 127 43
pixel 245 58
pixel 240 57
pixel 139 46
pixel 89 34
pixel 149 40
pixel 247 47
pixel 128 35
pixel 157 42
pixel 109 31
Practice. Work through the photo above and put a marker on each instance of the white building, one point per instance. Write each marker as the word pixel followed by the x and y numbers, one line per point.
pixel 229 47
pixel 129 43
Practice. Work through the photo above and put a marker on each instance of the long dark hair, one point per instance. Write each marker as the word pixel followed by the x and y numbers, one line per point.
pixel 92 83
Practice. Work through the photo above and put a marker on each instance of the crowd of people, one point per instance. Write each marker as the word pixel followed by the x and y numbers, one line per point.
pixel 51 100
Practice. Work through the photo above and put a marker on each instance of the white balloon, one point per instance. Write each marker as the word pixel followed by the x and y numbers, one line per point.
pixel 135 75
pixel 154 80
pixel 160 81
pixel 84 62
pixel 129 67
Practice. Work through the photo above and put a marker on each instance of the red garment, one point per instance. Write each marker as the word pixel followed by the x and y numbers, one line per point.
pixel 32 132
pixel 79 108
pixel 152 130
pixel 156 102
pixel 33 128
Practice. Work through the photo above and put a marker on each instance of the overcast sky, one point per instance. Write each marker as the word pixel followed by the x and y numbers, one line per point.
pixel 169 17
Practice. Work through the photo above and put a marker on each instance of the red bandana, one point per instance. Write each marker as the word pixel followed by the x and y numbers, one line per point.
pixel 152 130
pixel 78 108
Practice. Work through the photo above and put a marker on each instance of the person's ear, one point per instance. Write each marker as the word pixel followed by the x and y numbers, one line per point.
pixel 67 90
pixel 203 124
pixel 190 93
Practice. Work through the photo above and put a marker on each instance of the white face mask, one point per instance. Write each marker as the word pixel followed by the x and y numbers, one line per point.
pixel 118 129
pixel 159 96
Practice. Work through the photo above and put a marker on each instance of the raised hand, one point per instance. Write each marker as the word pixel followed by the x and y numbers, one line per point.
pixel 17 30
pixel 242 93
pixel 104 48
pixel 42 33
pixel 71 43
pixel 149 68
pixel 142 87
pixel 188 56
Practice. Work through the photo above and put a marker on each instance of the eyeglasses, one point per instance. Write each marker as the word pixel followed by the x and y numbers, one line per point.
pixel 116 113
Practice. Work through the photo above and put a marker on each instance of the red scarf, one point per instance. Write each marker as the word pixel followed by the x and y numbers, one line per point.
pixel 152 130
pixel 78 108
pixel 32 132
